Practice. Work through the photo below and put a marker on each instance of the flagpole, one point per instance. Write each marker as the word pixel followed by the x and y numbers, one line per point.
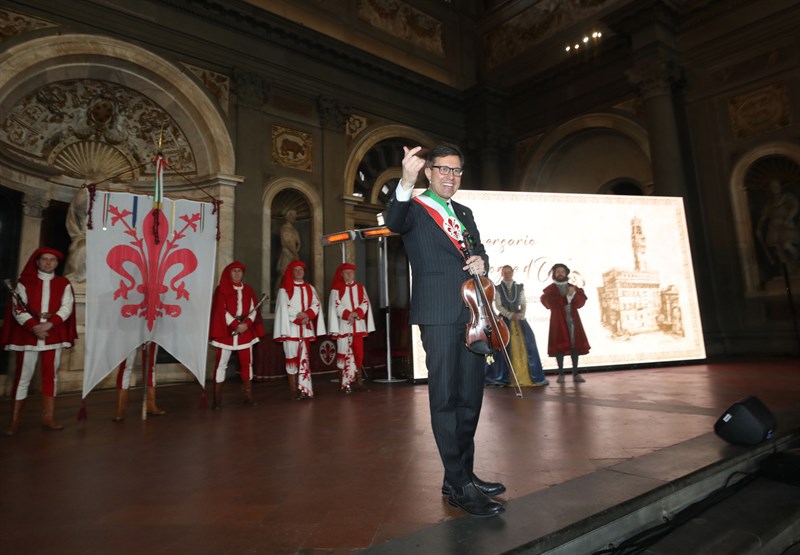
pixel 145 366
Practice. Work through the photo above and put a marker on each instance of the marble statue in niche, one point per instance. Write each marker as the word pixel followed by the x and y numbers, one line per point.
pixel 777 227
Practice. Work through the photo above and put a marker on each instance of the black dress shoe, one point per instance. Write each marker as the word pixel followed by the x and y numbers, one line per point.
pixel 473 501
pixel 491 489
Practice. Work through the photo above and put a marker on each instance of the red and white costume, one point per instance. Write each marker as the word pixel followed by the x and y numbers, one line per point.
pixel 345 300
pixel 50 296
pixel 234 304
pixel 293 298
pixel 126 367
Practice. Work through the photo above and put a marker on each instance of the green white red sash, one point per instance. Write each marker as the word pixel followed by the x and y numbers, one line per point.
pixel 443 215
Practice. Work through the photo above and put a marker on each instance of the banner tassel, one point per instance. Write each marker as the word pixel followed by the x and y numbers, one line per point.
pixel 83 414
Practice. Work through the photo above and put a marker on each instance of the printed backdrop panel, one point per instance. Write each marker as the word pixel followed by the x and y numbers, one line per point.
pixel 630 254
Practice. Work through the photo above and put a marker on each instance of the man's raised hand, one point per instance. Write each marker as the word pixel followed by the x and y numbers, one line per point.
pixel 412 164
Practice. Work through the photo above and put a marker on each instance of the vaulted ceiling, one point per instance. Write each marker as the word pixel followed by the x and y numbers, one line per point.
pixel 499 42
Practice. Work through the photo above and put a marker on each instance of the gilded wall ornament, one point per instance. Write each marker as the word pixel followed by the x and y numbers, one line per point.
pixel 759 111
pixel 292 148
pixel 355 125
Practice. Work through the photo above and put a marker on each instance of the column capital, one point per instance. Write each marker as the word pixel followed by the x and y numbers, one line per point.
pixel 251 89
pixel 656 77
pixel 34 203
pixel 333 115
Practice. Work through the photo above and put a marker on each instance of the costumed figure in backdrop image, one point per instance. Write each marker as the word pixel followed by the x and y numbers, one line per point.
pixel 124 374
pixel 563 299
pixel 432 227
pixel 297 324
pixel 511 305
pixel 236 326
pixel 349 321
pixel 39 323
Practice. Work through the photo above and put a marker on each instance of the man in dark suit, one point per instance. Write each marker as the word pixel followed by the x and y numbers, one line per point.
pixel 431 226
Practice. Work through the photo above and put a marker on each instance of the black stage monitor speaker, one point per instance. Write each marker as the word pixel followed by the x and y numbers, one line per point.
pixel 746 422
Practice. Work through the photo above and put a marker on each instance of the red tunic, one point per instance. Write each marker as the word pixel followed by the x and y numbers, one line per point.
pixel 225 309
pixel 18 336
pixel 558 339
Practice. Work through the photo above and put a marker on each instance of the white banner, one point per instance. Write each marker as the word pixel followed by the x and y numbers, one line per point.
pixel 148 278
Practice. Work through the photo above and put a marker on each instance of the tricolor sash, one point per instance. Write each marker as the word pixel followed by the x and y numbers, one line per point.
pixel 438 209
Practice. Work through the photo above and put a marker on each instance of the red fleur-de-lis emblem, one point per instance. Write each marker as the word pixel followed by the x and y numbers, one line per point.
pixel 452 228
pixel 327 352
pixel 151 260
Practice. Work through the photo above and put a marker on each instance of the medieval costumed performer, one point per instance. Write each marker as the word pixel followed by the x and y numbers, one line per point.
pixel 236 325
pixel 563 299
pixel 39 322
pixel 511 305
pixel 297 323
pixel 349 321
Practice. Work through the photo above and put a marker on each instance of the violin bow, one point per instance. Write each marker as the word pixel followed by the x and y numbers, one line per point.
pixel 466 242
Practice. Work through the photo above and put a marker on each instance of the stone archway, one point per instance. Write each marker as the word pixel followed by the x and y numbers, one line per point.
pixel 580 137
pixel 94 85
pixel 369 138
pixel 98 76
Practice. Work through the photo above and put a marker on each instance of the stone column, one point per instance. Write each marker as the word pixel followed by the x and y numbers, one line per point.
pixel 224 189
pixel 487 139
pixel 252 141
pixel 657 80
pixel 337 216
pixel 33 204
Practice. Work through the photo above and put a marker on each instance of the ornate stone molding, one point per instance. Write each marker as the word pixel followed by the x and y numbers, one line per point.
pixel 34 203
pixel 656 77
pixel 251 89
pixel 217 85
pixel 14 23
pixel 92 129
pixel 404 22
pixel 759 111
pixel 333 115
pixel 355 125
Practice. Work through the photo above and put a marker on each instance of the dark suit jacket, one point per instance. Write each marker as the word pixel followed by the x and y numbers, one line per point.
pixel 435 263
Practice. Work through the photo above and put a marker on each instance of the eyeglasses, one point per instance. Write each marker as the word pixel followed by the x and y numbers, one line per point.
pixel 446 170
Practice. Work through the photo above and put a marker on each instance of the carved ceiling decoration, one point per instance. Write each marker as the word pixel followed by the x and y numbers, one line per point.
pixel 537 23
pixel 13 24
pixel 404 22
pixel 88 128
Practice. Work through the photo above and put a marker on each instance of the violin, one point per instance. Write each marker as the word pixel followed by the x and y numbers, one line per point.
pixel 486 333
